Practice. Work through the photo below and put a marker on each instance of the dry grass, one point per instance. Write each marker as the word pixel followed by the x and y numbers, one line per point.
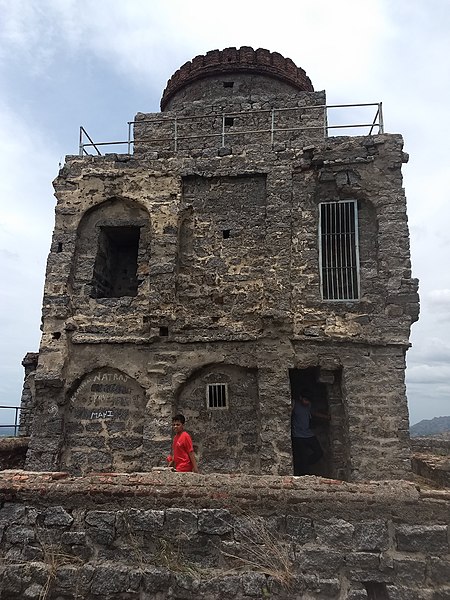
pixel 262 551
pixel 53 558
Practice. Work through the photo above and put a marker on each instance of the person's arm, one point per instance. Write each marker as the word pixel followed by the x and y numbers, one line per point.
pixel 193 461
pixel 320 415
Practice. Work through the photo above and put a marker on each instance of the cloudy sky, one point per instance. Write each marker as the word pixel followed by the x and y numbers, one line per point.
pixel 65 63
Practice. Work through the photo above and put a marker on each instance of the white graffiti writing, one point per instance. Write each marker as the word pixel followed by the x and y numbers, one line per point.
pixel 105 414
pixel 110 377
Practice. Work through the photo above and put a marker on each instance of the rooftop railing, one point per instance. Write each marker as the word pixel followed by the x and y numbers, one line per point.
pixel 9 420
pixel 332 119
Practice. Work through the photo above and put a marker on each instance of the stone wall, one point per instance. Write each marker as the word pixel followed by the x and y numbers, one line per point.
pixel 223 64
pixel 13 451
pixel 186 536
pixel 227 271
pixel 431 460
pixel 27 400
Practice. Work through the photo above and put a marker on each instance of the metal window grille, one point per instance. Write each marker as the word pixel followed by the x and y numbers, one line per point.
pixel 339 250
pixel 217 395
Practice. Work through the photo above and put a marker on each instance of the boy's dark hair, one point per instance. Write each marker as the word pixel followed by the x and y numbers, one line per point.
pixel 179 418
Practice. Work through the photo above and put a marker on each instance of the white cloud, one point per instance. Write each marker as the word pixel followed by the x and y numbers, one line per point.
pixel 26 221
pixel 440 297
pixel 358 51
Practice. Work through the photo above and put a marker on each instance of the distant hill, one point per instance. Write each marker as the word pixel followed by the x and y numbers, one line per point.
pixel 6 431
pixel 428 427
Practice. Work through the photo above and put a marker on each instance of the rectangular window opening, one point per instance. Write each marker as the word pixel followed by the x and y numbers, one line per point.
pixel 163 331
pixel 339 250
pixel 228 84
pixel 217 395
pixel 229 121
pixel 226 233
pixel 115 267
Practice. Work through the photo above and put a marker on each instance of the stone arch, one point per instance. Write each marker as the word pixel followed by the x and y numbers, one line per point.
pixel 112 237
pixel 103 423
pixel 226 439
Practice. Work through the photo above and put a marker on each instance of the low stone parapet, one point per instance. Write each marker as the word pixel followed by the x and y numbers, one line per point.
pixel 163 534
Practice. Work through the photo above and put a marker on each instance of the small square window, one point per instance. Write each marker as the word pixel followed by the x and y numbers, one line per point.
pixel 226 233
pixel 217 395
pixel 229 121
pixel 163 331
pixel 228 84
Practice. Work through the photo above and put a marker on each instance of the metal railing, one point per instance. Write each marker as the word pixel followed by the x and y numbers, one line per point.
pixel 10 426
pixel 375 125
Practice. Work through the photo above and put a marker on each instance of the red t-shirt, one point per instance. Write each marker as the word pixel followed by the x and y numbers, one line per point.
pixel 182 445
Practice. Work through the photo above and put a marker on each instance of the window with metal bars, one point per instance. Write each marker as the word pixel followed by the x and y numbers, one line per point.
pixel 339 250
pixel 217 395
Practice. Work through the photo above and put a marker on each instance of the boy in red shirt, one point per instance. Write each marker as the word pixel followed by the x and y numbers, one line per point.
pixel 183 458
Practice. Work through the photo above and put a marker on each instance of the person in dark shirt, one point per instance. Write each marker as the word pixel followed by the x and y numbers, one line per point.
pixel 306 449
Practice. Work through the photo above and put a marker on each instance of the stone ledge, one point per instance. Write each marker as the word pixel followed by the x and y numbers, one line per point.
pixel 309 495
pixel 434 468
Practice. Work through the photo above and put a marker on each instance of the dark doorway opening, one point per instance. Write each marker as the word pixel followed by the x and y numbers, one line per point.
pixel 115 268
pixel 323 387
pixel 306 382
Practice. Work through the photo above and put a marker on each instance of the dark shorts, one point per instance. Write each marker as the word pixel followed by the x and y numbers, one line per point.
pixel 305 452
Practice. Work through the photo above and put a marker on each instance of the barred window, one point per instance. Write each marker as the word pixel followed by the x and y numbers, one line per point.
pixel 217 395
pixel 338 250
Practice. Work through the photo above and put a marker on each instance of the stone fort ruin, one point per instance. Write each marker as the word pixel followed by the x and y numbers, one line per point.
pixel 234 256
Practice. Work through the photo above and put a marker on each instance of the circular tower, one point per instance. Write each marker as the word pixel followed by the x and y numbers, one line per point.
pixel 223 76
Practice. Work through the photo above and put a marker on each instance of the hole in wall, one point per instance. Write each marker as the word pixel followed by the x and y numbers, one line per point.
pixel 376 590
pixel 59 247
pixel 226 233
pixel 229 121
pixel 56 335
pixel 228 84
pixel 163 331
pixel 115 268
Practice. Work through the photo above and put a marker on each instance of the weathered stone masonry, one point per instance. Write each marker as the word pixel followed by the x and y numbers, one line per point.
pixel 168 535
pixel 194 262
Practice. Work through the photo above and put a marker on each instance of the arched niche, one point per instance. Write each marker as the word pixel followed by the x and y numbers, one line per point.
pixel 104 419
pixel 221 406
pixel 112 250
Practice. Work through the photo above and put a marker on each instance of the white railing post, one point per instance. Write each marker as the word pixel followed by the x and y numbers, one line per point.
pixel 272 127
pixel 80 142
pixel 223 130
pixel 129 136
pixel 380 117
pixel 175 135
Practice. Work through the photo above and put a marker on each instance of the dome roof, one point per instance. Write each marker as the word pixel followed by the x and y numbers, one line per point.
pixel 233 60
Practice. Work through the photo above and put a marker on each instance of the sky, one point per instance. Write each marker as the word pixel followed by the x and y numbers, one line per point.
pixel 96 63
